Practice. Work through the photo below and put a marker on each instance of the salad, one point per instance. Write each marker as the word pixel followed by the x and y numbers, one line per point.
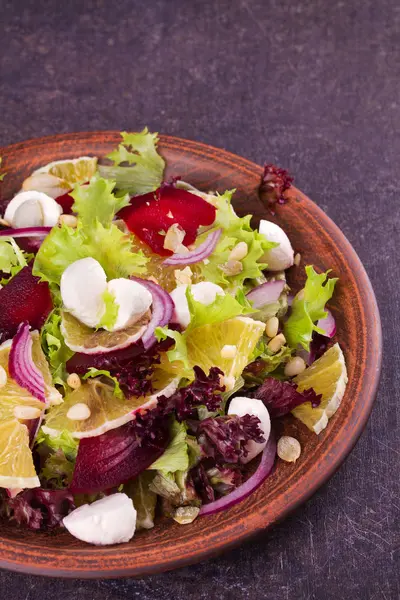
pixel 148 343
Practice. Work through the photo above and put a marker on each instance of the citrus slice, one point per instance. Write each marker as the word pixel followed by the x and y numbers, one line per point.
pixel 328 377
pixel 81 338
pixel 17 408
pixel 16 464
pixel 106 411
pixel 204 346
pixel 60 176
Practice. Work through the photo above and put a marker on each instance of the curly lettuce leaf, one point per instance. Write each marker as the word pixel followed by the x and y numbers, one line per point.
pixel 58 469
pixel 179 352
pixel 64 442
pixel 265 362
pixel 223 308
pixel 108 245
pixel 110 314
pixel 12 258
pixel 96 201
pixel 235 229
pixel 54 347
pixel 175 457
pixel 144 499
pixel 308 307
pixel 93 372
pixel 146 167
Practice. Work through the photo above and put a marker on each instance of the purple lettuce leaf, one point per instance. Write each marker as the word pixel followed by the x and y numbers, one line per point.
pixel 39 508
pixel 280 397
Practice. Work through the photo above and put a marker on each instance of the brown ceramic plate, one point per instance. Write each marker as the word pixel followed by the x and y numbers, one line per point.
pixel 321 243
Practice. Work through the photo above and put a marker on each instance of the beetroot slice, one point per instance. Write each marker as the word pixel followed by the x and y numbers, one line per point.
pixel 156 211
pixel 24 298
pixel 107 460
pixel 66 201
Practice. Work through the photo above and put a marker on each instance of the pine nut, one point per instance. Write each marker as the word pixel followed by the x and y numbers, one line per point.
pixel 26 413
pixel 73 380
pixel 297 259
pixel 228 351
pixel 239 251
pixel 69 220
pixel 271 327
pixel 174 237
pixel 288 448
pixel 183 276
pixel 229 382
pixel 78 412
pixel 294 366
pixel 276 343
pixel 3 376
pixel 232 267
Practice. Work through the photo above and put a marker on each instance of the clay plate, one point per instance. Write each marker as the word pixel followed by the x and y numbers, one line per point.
pixel 321 243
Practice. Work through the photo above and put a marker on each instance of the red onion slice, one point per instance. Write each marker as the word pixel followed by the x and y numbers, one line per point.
pixel 21 366
pixel 198 254
pixel 240 493
pixel 266 293
pixel 26 232
pixel 328 324
pixel 161 310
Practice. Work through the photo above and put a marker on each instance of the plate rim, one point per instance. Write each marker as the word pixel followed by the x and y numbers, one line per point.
pixel 375 331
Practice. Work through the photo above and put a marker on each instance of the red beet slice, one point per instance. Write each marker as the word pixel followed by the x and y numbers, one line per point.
pixel 66 201
pixel 156 211
pixel 24 298
pixel 107 460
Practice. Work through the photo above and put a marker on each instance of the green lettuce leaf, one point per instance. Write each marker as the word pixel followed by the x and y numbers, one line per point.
pixel 265 363
pixel 110 315
pixel 175 457
pixel 64 442
pixel 139 150
pixel 96 202
pixel 58 469
pixel 108 245
pixel 179 352
pixel 308 307
pixel 92 372
pixel 54 347
pixel 223 308
pixel 12 258
pixel 235 229
pixel 143 498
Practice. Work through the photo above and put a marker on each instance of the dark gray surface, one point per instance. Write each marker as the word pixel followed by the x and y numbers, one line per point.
pixel 312 86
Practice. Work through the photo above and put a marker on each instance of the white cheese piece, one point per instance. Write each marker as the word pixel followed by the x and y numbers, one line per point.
pixel 281 257
pixel 204 292
pixel 32 209
pixel 83 284
pixel 111 520
pixel 241 406
pixel 133 300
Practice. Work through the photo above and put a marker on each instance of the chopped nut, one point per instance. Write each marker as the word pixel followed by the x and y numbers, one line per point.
pixel 228 351
pixel 73 380
pixel 79 412
pixel 25 413
pixel 232 267
pixel 183 276
pixel 288 448
pixel 276 343
pixel 3 376
pixel 185 514
pixel 239 251
pixel 174 237
pixel 170 215
pixel 229 382
pixel 294 366
pixel 297 259
pixel 272 327
pixel 68 220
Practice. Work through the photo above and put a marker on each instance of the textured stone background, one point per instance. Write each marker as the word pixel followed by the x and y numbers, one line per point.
pixel 312 85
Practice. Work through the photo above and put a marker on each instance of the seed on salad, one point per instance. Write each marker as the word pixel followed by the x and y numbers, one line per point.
pixel 183 276
pixel 174 237
pixel 78 412
pixel 229 382
pixel 185 514
pixel 232 267
pixel 68 220
pixel 74 381
pixel 239 251
pixel 228 351
pixel 3 376
pixel 276 343
pixel 271 327
pixel 288 448
pixel 25 413
pixel 297 259
pixel 294 366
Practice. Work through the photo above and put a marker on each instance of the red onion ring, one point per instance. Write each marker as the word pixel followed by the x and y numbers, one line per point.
pixel 198 254
pixel 161 310
pixel 266 293
pixel 26 232
pixel 264 469
pixel 21 366
pixel 328 324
